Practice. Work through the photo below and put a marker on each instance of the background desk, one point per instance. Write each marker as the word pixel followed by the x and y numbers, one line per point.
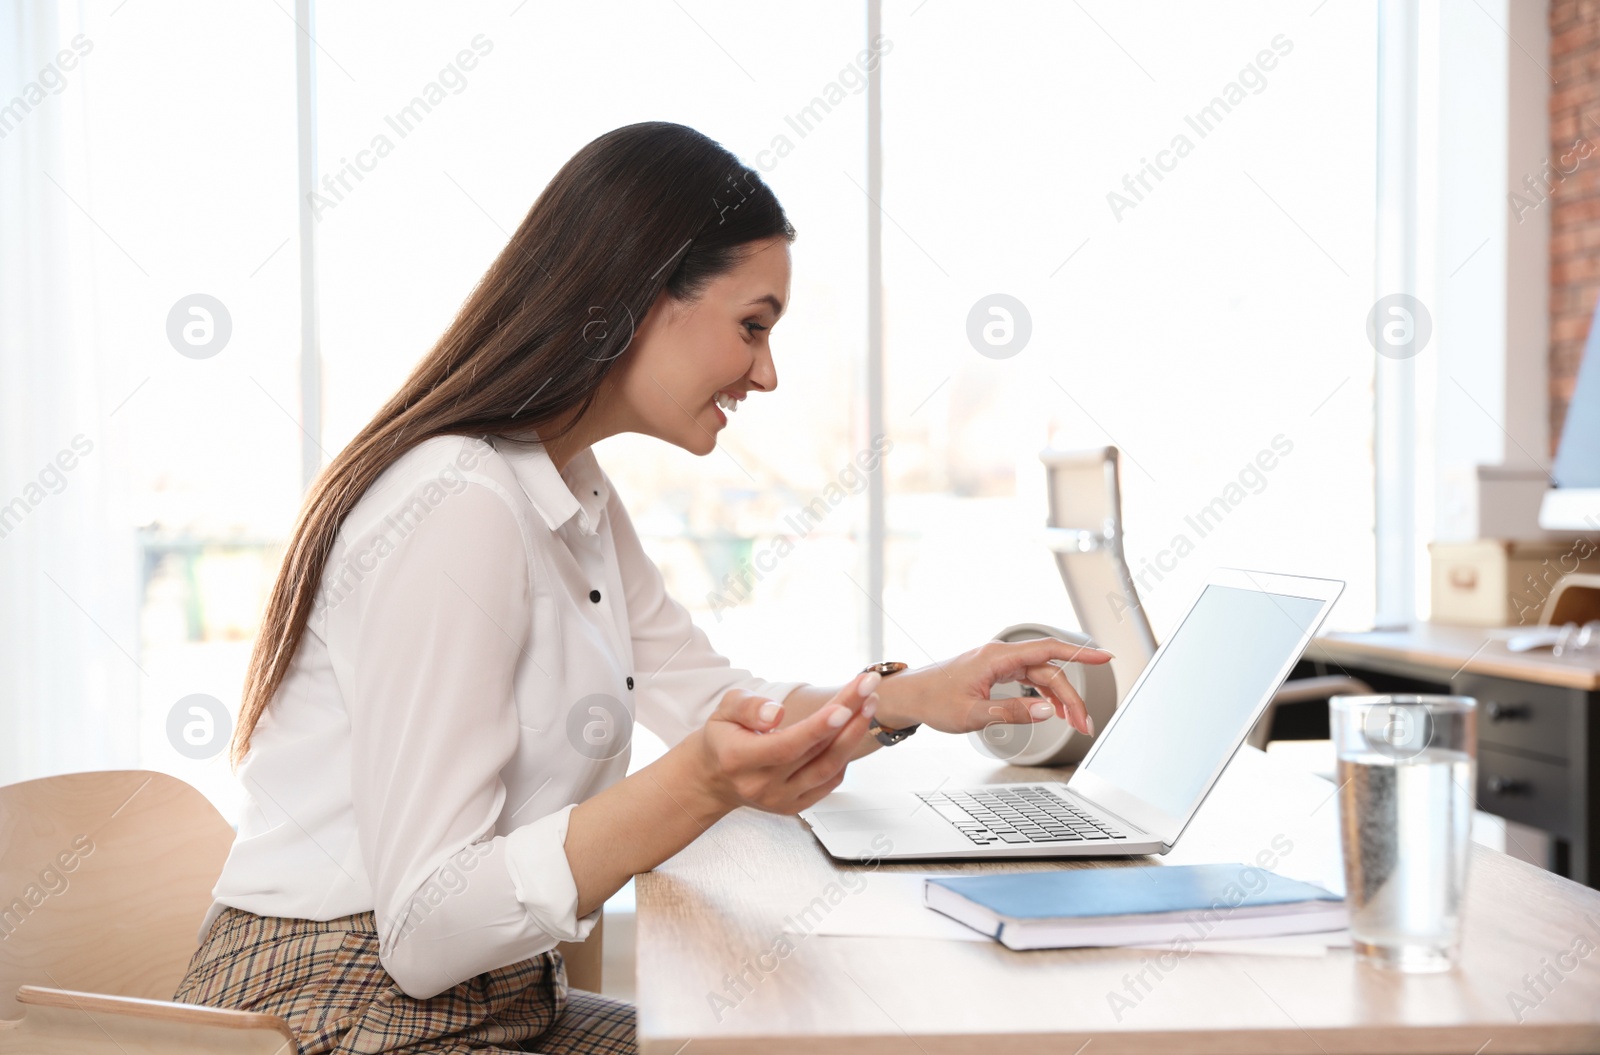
pixel 719 908
pixel 1538 726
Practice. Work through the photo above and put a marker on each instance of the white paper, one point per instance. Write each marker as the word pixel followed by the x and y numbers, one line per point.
pixel 888 906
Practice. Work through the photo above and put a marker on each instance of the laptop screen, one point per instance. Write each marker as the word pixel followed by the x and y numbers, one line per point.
pixel 1198 694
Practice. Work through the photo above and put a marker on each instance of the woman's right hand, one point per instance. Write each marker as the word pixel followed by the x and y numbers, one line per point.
pixel 749 760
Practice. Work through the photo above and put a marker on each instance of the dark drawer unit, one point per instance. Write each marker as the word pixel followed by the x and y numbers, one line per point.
pixel 1525 790
pixel 1537 719
pixel 1538 725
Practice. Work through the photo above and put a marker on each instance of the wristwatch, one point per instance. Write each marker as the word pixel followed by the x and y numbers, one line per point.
pixel 886 736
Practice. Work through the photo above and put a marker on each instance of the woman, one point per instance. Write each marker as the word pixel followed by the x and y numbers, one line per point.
pixel 433 733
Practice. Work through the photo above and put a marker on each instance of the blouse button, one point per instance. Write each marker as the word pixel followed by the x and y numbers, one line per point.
pixel 630 681
pixel 594 595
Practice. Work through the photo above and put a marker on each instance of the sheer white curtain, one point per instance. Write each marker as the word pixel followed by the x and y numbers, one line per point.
pixel 69 671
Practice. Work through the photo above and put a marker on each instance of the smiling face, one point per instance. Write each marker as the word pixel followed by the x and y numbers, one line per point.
pixel 685 354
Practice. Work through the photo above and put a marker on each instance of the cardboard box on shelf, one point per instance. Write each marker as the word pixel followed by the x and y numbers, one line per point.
pixel 1502 582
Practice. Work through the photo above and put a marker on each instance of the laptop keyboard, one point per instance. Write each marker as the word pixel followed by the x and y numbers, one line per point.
pixel 1018 815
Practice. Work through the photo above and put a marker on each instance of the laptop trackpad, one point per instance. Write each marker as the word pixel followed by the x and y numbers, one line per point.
pixel 864 820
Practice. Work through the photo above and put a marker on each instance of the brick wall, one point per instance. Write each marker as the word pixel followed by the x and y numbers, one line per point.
pixel 1574 198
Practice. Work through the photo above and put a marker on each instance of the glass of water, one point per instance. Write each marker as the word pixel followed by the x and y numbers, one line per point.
pixel 1407 767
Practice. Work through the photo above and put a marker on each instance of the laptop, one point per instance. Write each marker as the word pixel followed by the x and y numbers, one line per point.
pixel 1150 768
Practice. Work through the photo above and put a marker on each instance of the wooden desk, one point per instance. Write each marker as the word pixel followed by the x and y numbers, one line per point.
pixel 1538 725
pixel 719 908
pixel 1455 649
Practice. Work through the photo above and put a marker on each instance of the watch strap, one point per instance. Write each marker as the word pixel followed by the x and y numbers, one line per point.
pixel 889 737
pixel 882 733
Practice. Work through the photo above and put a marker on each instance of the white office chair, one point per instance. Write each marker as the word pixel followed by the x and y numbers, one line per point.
pixel 1084 531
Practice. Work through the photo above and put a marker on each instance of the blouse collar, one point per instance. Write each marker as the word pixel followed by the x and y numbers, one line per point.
pixel 558 495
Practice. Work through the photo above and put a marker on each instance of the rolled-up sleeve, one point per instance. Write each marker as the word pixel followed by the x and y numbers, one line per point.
pixel 681 677
pixel 435 628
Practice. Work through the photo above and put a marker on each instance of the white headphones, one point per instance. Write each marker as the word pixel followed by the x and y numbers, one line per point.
pixel 1052 742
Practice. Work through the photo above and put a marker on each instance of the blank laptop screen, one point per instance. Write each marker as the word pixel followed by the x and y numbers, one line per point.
pixel 1203 687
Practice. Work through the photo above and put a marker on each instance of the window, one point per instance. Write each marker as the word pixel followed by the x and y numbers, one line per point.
pixel 1178 222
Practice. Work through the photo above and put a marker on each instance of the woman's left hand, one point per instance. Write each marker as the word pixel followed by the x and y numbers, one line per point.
pixel 953 696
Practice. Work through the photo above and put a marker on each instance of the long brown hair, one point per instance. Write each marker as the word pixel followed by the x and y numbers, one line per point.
pixel 644 208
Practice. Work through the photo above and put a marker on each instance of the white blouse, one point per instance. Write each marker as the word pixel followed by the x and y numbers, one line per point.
pixel 485 632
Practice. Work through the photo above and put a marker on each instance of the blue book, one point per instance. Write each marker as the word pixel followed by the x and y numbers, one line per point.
pixel 1134 905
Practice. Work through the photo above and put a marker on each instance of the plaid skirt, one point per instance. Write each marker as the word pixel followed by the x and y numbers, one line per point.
pixel 324 979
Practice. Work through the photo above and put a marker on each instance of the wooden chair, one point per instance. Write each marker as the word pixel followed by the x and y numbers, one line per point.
pixel 104 880
pixel 1575 599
